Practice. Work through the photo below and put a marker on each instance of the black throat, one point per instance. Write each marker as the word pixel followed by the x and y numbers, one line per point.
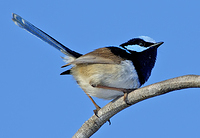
pixel 142 61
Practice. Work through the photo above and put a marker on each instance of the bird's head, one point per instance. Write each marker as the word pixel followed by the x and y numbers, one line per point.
pixel 140 44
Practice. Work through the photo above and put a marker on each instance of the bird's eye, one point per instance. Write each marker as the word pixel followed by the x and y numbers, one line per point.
pixel 141 44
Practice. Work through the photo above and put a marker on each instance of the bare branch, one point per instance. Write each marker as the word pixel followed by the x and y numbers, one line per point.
pixel 94 123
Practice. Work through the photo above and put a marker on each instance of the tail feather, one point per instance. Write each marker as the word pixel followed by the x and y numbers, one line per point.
pixel 67 72
pixel 44 36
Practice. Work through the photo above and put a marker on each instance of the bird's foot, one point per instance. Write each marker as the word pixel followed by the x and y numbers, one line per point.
pixel 96 111
pixel 126 92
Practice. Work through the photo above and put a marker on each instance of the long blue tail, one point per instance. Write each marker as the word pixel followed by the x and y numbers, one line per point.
pixel 44 36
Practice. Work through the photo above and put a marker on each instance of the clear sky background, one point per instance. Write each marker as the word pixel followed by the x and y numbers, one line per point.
pixel 36 102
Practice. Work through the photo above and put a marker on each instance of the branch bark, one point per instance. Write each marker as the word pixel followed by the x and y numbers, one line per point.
pixel 94 123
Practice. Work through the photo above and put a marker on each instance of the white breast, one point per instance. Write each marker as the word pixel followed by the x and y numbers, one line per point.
pixel 121 75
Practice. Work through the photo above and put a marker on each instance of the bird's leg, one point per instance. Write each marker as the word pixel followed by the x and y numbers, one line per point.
pixel 95 104
pixel 97 107
pixel 125 91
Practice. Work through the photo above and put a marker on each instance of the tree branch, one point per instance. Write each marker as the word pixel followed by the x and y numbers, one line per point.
pixel 94 123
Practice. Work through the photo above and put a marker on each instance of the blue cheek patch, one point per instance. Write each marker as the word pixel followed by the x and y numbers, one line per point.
pixel 136 48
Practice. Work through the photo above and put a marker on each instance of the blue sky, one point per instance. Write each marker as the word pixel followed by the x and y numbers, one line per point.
pixel 35 101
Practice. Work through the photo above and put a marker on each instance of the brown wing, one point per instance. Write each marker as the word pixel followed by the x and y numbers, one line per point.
pixel 99 56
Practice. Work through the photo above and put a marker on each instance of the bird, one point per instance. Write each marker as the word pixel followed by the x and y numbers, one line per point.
pixel 108 72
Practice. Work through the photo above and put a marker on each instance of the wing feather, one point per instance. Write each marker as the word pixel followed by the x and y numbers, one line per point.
pixel 99 56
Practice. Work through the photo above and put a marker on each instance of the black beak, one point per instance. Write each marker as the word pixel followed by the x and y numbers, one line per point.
pixel 157 44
